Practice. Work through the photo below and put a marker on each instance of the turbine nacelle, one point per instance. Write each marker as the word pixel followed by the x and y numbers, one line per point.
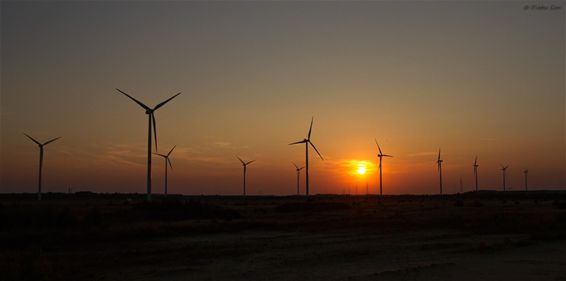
pixel 307 140
pixel 380 154
pixel 167 156
pixel 40 145
pixel 244 164
pixel 150 111
pixel 297 167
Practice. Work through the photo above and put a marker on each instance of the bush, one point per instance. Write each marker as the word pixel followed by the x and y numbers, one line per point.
pixel 559 204
pixel 478 204
pixel 312 206
pixel 459 203
pixel 183 210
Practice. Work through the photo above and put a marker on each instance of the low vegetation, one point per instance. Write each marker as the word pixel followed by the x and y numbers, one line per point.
pixel 40 239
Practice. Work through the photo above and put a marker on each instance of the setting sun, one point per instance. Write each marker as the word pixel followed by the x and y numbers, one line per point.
pixel 361 168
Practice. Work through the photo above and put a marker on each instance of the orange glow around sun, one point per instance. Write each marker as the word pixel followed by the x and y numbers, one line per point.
pixel 359 167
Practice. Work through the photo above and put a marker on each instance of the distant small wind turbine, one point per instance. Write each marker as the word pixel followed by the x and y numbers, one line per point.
pixel 167 161
pixel 298 176
pixel 503 170
pixel 151 121
pixel 476 172
pixel 380 155
pixel 307 141
pixel 41 145
pixel 526 172
pixel 439 162
pixel 245 165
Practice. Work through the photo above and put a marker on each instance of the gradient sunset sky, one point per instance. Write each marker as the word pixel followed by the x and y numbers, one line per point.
pixel 474 78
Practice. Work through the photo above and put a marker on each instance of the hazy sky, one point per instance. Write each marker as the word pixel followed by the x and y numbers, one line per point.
pixel 474 78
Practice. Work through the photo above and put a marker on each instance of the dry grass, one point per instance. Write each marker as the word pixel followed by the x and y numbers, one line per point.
pixel 63 237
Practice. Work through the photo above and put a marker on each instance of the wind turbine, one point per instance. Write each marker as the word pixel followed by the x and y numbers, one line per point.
pixel 298 175
pixel 151 121
pixel 503 170
pixel 245 165
pixel 307 141
pixel 167 161
pixel 41 145
pixel 526 172
pixel 380 155
pixel 439 162
pixel 476 171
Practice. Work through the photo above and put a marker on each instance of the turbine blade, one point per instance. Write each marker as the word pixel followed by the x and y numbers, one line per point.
pixel 301 168
pixel 154 129
pixel 171 150
pixel 310 128
pixel 378 147
pixel 439 154
pixel 385 155
pixel 32 139
pixel 476 161
pixel 165 156
pixel 303 141
pixel 316 150
pixel 169 161
pixel 243 163
pixel 166 101
pixel 50 141
pixel 137 101
pixel 295 165
pixel 250 162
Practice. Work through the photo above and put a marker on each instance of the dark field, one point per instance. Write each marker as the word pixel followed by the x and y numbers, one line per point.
pixel 485 236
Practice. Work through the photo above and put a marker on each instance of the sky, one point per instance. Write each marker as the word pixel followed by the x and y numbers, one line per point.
pixel 472 78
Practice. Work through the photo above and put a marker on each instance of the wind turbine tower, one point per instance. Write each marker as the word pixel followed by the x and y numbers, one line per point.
pixel 526 172
pixel 504 170
pixel 307 141
pixel 439 162
pixel 151 122
pixel 245 165
pixel 380 155
pixel 167 161
pixel 40 145
pixel 298 169
pixel 476 172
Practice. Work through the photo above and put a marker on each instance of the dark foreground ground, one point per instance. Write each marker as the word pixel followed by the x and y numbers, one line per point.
pixel 486 236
